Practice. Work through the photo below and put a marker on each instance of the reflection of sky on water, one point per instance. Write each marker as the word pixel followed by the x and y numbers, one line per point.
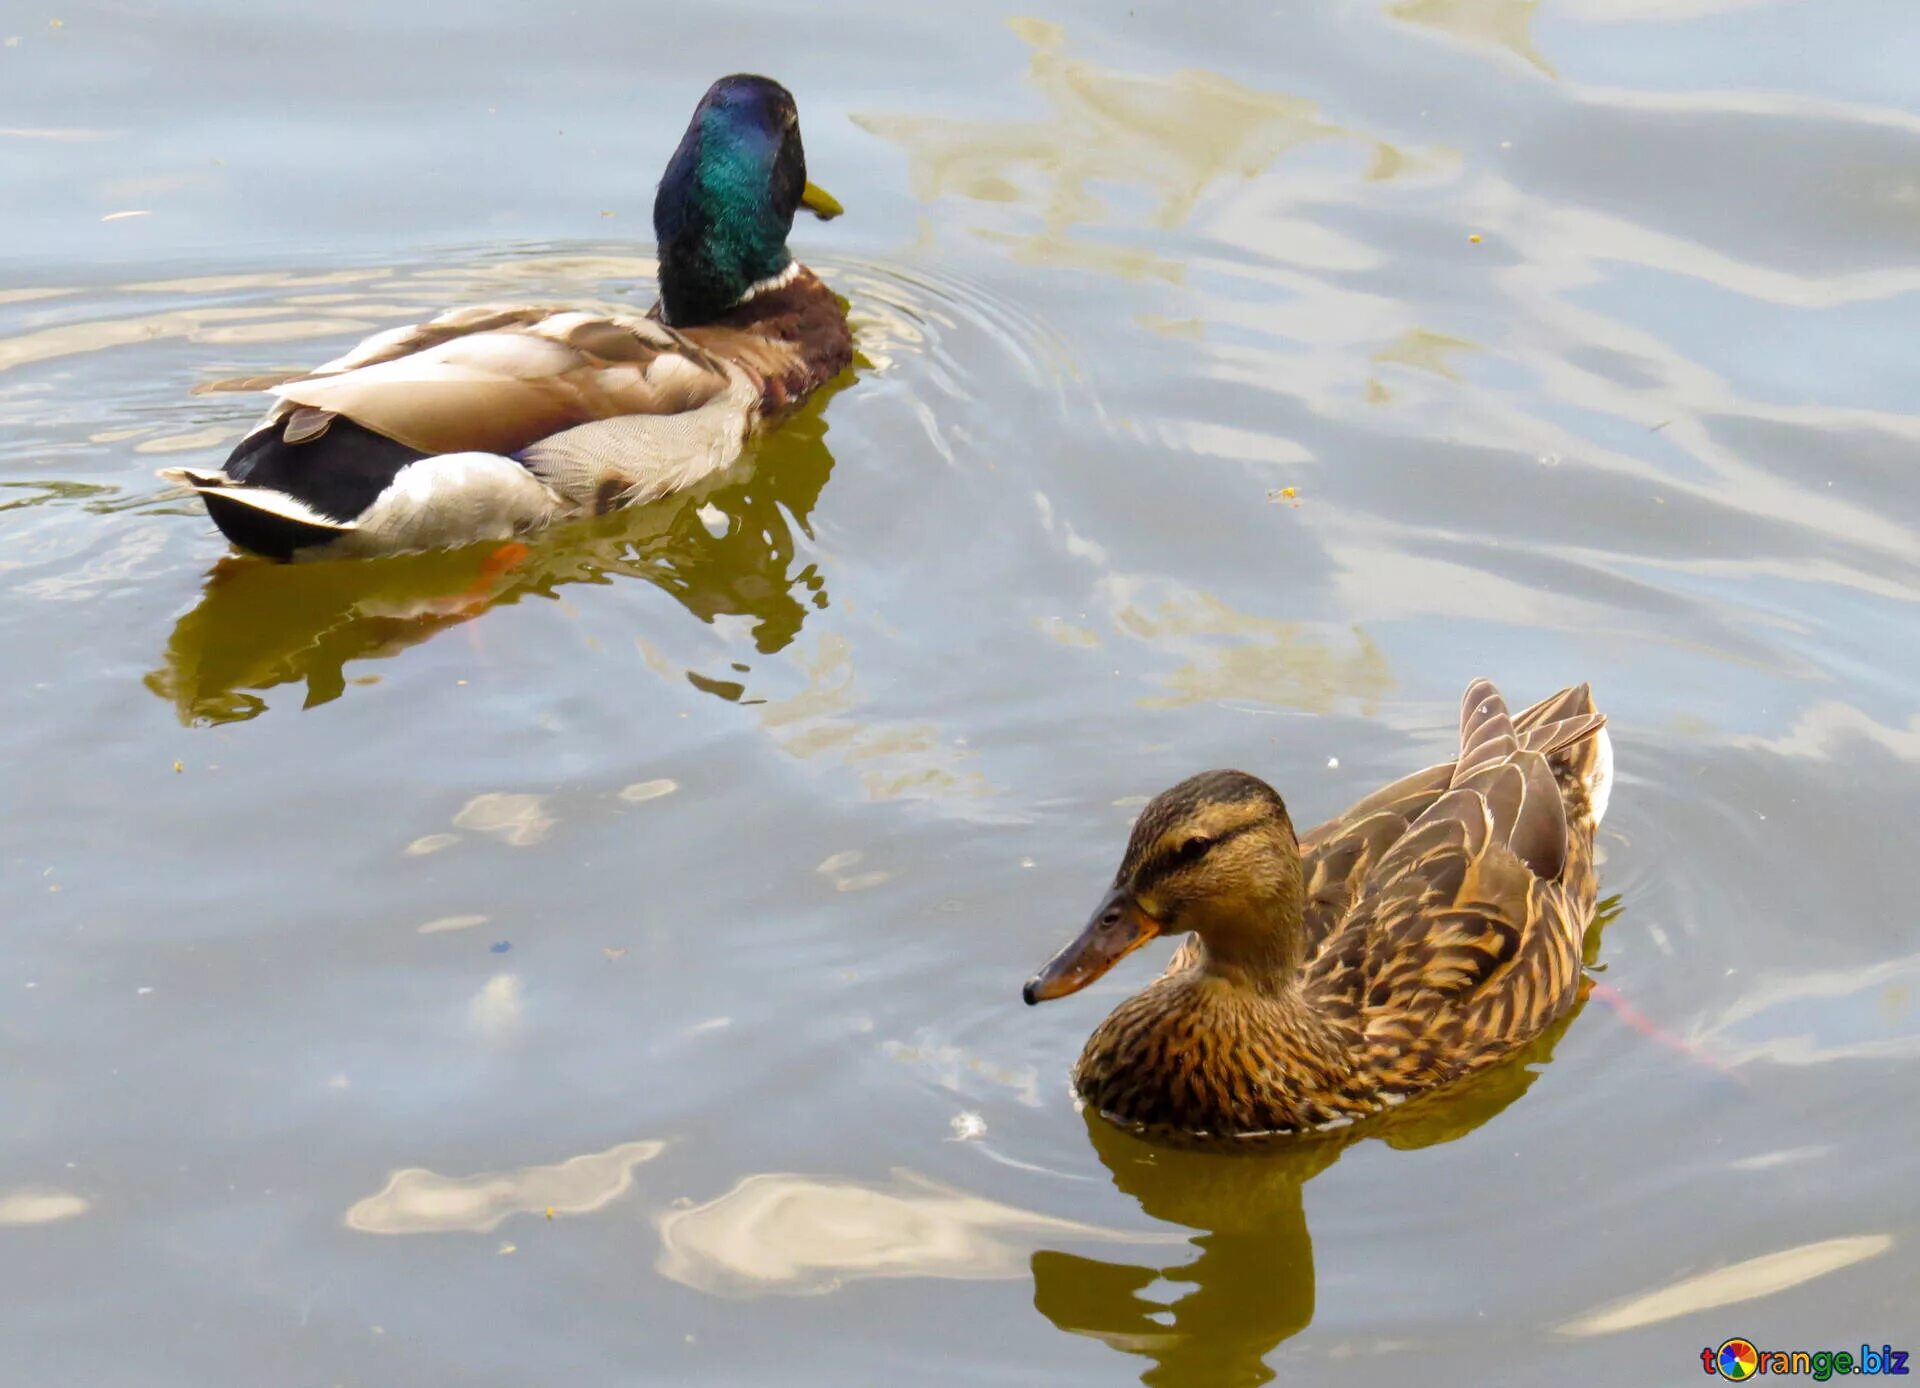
pixel 797 1235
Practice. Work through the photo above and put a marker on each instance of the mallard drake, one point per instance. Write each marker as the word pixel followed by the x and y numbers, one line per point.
pixel 1421 936
pixel 489 421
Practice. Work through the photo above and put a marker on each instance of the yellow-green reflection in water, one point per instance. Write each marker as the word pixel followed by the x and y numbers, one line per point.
pixel 1175 136
pixel 1240 656
pixel 1252 1280
pixel 727 550
pixel 1227 655
pixel 20 495
pixel 1426 350
pixel 1503 24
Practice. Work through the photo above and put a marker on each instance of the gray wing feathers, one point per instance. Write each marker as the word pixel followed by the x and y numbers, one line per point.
pixel 1512 773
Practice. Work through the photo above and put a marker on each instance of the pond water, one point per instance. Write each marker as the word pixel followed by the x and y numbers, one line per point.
pixel 602 964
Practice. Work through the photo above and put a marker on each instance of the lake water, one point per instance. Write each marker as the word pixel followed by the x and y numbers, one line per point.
pixel 602 965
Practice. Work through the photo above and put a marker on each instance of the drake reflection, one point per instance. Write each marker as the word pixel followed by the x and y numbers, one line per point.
pixel 1213 1318
pixel 725 550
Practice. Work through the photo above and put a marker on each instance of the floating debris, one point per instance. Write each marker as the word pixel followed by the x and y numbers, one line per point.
pixel 418 1201
pixel 517 819
pixel 835 869
pixel 445 923
pixel 35 1205
pixel 642 791
pixel 787 1235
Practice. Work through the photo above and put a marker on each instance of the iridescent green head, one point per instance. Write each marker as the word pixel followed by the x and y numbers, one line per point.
pixel 727 199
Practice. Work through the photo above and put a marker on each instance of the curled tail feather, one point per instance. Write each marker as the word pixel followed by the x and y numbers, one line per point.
pixel 262 519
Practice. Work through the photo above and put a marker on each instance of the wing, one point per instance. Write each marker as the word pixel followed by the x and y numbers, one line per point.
pixel 1554 729
pixel 1340 863
pixel 496 379
pixel 1433 937
pixel 1458 938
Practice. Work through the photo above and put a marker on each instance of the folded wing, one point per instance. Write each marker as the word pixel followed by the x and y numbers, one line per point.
pixel 496 380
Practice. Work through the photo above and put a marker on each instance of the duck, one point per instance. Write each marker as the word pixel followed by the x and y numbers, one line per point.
pixel 492 420
pixel 1425 934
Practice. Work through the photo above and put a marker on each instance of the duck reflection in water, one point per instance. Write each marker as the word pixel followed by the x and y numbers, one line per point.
pixel 1251 1286
pixel 259 625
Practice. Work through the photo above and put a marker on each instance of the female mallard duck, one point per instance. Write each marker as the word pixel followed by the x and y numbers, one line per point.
pixel 1427 932
pixel 488 421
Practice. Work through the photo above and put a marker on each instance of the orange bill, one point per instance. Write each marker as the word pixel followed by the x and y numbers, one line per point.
pixel 1119 927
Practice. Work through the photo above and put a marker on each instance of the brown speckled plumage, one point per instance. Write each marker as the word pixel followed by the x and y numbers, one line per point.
pixel 1419 937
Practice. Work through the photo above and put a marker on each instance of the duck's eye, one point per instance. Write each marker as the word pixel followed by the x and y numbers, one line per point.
pixel 1190 850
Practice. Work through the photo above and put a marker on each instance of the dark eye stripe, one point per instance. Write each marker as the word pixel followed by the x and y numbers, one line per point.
pixel 1190 852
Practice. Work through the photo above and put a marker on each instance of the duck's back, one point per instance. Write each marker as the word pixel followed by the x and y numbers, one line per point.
pixel 1446 912
pixel 498 379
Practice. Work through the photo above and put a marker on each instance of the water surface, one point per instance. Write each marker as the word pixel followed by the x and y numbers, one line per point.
pixel 601 963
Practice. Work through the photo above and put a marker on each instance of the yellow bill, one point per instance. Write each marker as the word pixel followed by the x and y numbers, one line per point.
pixel 820 202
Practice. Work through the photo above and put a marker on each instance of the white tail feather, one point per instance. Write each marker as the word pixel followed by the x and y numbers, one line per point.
pixel 1600 780
pixel 274 503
